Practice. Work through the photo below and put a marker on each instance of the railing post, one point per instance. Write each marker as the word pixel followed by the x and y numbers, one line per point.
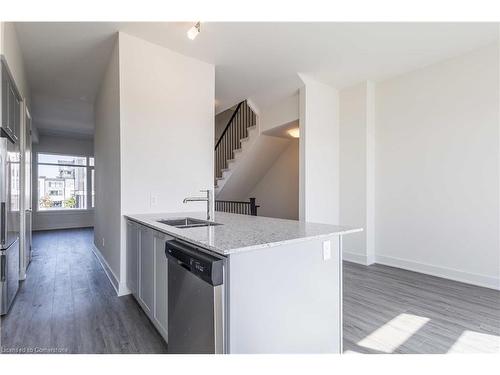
pixel 253 207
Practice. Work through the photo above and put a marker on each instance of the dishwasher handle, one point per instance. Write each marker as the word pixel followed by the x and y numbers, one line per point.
pixel 207 267
pixel 183 265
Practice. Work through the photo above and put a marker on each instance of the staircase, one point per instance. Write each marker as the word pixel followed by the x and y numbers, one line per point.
pixel 243 156
pixel 230 143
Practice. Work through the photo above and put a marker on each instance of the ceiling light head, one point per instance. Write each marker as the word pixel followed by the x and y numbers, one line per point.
pixel 295 132
pixel 194 31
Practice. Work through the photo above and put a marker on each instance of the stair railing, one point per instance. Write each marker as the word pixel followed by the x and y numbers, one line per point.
pixel 237 207
pixel 235 130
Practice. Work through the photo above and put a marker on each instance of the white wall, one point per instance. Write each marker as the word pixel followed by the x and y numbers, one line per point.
pixel 166 135
pixel 60 219
pixel 107 169
pixel 437 169
pixel 2 26
pixel 357 168
pixel 167 127
pixel 283 112
pixel 2 33
pixel 13 55
pixel 277 192
pixel 319 153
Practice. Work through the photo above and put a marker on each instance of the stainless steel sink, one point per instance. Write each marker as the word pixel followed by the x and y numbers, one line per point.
pixel 188 222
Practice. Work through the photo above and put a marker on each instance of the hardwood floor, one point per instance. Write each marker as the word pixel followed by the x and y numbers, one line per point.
pixel 68 305
pixel 390 310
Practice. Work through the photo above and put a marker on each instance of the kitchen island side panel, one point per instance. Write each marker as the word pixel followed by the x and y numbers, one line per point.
pixel 286 299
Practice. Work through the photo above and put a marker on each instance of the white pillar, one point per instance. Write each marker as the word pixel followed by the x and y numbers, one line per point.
pixel 319 152
pixel 357 169
pixel 1 37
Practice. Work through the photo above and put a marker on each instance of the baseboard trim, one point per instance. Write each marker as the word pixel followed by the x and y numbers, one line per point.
pixel 120 287
pixel 447 273
pixel 123 290
pixel 358 258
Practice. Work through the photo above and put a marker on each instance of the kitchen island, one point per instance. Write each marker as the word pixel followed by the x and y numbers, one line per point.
pixel 281 290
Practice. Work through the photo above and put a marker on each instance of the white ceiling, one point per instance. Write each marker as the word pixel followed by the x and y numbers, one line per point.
pixel 65 61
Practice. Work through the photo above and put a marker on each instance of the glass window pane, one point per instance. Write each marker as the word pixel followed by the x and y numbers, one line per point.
pixel 93 189
pixel 62 159
pixel 62 187
pixel 91 162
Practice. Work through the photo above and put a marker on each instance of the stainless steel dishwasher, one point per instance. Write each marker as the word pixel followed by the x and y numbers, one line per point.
pixel 195 300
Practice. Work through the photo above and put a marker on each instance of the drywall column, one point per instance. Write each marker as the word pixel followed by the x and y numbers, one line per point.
pixel 319 152
pixel 1 36
pixel 154 105
pixel 166 111
pixel 107 220
pixel 357 169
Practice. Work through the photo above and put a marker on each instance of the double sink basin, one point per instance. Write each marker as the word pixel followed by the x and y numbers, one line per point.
pixel 188 222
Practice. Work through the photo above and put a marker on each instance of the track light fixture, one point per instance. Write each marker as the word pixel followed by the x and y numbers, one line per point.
pixel 194 31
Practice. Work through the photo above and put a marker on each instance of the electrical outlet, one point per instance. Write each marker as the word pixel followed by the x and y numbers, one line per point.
pixel 327 250
pixel 103 242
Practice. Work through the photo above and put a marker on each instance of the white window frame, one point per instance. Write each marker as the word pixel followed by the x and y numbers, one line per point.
pixel 89 187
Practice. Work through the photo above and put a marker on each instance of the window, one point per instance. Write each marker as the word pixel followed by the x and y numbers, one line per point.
pixel 92 184
pixel 63 182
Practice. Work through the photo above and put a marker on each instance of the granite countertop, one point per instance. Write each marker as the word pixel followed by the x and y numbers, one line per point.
pixel 241 232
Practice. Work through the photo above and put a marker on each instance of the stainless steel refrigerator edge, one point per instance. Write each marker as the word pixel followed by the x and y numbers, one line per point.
pixel 10 188
pixel 9 222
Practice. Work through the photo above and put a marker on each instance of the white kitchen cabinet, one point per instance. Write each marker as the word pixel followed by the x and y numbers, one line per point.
pixel 5 98
pixel 161 286
pixel 146 269
pixel 11 105
pixel 133 257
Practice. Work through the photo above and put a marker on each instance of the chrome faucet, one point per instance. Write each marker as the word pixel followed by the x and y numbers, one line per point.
pixel 210 203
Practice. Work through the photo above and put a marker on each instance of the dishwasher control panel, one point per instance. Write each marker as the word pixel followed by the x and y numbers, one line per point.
pixel 200 267
pixel 206 267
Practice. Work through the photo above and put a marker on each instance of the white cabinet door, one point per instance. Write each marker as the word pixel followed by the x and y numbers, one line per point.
pixel 132 257
pixel 146 273
pixel 161 286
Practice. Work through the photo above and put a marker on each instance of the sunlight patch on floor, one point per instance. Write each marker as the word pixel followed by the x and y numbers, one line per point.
pixel 394 333
pixel 476 342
